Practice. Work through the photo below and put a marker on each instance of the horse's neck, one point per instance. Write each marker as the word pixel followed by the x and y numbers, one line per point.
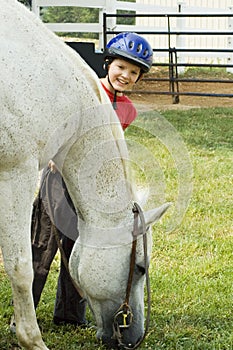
pixel 67 117
pixel 96 235
pixel 94 167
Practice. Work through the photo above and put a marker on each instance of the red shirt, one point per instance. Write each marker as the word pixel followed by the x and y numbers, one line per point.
pixel 124 108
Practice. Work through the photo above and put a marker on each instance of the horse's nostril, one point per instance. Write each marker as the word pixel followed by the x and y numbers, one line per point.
pixel 131 346
pixel 110 343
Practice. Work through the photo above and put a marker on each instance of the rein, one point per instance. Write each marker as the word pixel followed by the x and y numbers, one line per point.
pixel 57 237
pixel 124 313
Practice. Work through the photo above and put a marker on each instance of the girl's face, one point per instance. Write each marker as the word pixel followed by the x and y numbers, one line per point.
pixel 123 74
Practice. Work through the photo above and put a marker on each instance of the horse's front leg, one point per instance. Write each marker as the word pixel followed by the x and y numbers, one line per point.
pixel 15 210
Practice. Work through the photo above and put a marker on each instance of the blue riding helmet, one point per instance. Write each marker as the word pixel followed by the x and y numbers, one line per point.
pixel 132 47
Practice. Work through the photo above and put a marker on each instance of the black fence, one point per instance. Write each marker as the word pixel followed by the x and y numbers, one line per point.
pixel 173 65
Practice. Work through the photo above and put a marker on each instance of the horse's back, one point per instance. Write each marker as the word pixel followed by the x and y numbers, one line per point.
pixel 43 83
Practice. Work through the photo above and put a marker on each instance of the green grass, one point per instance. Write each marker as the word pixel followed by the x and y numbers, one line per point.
pixel 196 72
pixel 192 265
pixel 207 72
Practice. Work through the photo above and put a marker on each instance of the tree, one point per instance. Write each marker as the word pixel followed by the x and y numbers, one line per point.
pixel 71 14
pixel 126 20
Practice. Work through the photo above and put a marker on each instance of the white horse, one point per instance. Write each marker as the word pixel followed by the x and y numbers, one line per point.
pixel 53 107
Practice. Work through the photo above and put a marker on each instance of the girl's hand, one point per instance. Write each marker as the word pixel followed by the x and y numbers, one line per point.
pixel 52 166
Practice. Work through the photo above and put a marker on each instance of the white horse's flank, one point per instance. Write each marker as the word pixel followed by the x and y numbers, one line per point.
pixel 53 107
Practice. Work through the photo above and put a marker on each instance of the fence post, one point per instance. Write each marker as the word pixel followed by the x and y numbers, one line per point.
pixel 230 41
pixel 35 8
pixel 110 7
pixel 101 34
pixel 180 39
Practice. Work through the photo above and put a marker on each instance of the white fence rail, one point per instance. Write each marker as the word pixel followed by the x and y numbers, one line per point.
pixel 187 24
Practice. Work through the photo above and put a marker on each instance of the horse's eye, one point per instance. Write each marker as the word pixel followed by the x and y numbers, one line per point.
pixel 140 270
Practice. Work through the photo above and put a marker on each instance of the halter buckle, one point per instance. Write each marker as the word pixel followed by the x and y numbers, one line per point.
pixel 123 317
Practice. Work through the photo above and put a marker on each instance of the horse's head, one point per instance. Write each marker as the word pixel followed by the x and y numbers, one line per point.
pixel 112 276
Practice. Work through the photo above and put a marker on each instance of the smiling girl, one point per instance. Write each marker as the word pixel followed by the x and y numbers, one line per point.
pixel 128 57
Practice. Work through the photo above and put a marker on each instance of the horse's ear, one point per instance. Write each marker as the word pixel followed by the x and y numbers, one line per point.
pixel 155 214
pixel 150 216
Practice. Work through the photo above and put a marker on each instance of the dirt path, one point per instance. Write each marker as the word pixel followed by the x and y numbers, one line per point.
pixel 161 102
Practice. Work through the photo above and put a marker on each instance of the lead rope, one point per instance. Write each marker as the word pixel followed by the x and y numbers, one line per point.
pixel 125 309
pixel 146 262
pixel 56 234
pixel 114 103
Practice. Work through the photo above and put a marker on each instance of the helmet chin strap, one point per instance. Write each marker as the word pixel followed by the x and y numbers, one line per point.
pixel 114 104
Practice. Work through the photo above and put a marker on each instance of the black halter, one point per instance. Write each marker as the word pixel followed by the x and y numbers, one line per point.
pixel 123 317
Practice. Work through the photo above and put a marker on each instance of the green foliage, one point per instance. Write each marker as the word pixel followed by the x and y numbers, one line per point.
pixel 126 20
pixel 191 267
pixel 72 14
pixel 69 14
pixel 207 72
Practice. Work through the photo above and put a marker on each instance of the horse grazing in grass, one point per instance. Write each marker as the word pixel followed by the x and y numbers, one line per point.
pixel 53 107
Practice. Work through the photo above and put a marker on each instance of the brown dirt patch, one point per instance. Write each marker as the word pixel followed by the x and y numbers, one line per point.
pixel 156 101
